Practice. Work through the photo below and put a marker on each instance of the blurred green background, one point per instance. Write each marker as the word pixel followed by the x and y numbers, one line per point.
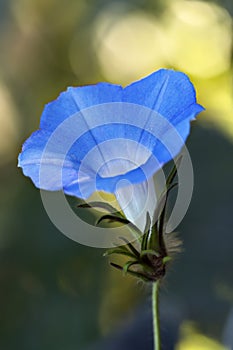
pixel 55 293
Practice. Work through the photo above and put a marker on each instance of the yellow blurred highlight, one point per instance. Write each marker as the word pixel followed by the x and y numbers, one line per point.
pixel 191 339
pixel 191 36
pixel 217 97
pixel 128 45
pixel 33 15
pixel 9 126
pixel 198 37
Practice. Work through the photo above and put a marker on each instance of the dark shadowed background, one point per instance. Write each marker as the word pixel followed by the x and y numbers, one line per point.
pixel 55 293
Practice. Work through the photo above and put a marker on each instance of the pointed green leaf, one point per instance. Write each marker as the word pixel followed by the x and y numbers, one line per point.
pixel 145 236
pixel 153 239
pixel 149 251
pixel 145 240
pixel 162 202
pixel 162 215
pixel 148 222
pixel 138 275
pixel 118 267
pixel 128 265
pixel 166 259
pixel 119 252
pixel 112 218
pixel 130 246
pixel 173 172
pixel 101 205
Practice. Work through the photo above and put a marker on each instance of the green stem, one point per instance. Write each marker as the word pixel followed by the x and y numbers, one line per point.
pixel 155 312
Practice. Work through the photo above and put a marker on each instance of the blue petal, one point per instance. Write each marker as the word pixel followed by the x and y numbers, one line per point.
pixel 75 99
pixel 168 92
pixel 172 96
pixel 106 145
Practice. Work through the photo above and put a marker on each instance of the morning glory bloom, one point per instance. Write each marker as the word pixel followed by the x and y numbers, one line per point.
pixel 110 138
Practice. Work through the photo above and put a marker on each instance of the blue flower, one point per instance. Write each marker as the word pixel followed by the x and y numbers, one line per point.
pixel 106 137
